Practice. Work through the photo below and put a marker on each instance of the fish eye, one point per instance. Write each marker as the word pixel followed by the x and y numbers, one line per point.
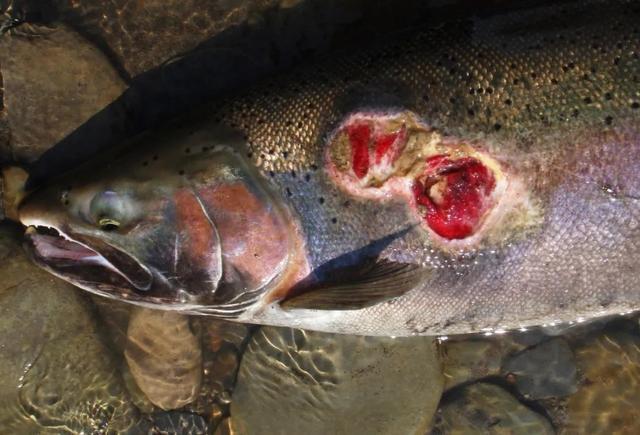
pixel 109 210
pixel 107 224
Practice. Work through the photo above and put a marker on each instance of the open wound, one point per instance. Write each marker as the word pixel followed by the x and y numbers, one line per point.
pixel 452 186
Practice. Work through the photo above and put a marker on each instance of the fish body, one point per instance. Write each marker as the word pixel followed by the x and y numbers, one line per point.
pixel 480 176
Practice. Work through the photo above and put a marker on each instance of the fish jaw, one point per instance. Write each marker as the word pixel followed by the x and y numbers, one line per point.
pixel 65 256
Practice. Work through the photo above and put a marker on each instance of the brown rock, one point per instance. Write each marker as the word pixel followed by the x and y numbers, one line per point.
pixel 470 360
pixel 488 409
pixel 226 428
pixel 12 181
pixel 143 35
pixel 607 400
pixel 54 80
pixel 55 371
pixel 302 382
pixel 164 357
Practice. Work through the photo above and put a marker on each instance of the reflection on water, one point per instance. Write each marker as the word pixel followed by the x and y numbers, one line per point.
pixel 72 364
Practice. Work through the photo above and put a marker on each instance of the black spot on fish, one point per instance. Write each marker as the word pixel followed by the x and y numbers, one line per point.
pixel 635 105
pixel 181 172
pixel 587 100
pixel 187 150
pixel 321 200
pixel 497 126
pixel 334 220
pixel 608 120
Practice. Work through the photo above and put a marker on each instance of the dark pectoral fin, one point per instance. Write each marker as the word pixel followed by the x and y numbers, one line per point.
pixel 354 289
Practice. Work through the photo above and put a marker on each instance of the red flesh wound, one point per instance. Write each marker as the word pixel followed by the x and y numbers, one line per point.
pixel 384 143
pixel 466 185
pixel 359 137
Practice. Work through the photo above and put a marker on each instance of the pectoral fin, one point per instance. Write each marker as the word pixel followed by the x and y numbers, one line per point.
pixel 361 287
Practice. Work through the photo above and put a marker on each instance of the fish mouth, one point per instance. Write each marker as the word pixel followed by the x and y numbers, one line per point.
pixel 88 263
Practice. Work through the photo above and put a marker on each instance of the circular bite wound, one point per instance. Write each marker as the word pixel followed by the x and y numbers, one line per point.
pixel 455 195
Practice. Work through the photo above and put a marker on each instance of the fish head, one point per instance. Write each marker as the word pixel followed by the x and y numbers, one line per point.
pixel 186 226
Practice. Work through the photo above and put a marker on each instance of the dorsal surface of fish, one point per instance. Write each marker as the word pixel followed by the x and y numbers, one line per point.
pixel 483 175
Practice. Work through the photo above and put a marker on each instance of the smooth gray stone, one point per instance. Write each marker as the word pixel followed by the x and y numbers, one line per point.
pixel 488 409
pixel 299 382
pixel 544 371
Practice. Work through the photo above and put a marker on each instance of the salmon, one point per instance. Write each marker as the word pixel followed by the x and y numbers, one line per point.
pixel 483 175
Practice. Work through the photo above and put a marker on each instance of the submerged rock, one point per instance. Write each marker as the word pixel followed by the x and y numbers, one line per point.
pixel 607 400
pixel 178 423
pixel 164 357
pixel 300 382
pixel 469 360
pixel 544 371
pixel 53 81
pixel 222 345
pixel 56 375
pixel 488 409
pixel 143 35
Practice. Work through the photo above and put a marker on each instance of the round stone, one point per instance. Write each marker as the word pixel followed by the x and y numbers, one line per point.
pixel 294 381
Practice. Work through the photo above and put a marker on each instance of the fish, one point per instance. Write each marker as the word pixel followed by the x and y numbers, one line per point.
pixel 478 176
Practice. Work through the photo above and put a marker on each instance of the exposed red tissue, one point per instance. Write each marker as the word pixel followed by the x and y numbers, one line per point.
pixel 384 143
pixel 359 137
pixel 464 197
pixel 362 136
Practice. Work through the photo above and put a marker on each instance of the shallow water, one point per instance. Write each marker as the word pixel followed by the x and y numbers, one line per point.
pixel 74 363
pixel 68 367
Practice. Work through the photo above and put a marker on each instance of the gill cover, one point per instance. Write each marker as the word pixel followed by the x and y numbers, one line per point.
pixel 197 251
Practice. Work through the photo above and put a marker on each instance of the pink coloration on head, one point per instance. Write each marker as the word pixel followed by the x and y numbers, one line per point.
pixel 199 240
pixel 465 186
pixel 359 137
pixel 254 240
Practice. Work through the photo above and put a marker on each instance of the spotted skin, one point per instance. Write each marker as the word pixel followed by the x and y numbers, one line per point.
pixel 551 95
